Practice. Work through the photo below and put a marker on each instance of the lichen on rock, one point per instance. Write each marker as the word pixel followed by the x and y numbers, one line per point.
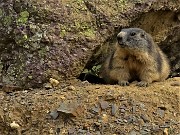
pixel 44 39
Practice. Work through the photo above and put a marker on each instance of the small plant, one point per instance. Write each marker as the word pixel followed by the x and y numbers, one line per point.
pixel 94 71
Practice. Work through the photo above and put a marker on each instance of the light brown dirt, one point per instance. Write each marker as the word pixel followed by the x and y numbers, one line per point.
pixel 151 110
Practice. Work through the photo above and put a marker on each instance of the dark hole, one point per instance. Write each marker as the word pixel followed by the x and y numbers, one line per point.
pixel 91 78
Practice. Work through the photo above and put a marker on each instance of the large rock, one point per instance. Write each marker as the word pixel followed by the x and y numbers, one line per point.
pixel 48 38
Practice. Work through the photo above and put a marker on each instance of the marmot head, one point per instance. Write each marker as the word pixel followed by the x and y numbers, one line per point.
pixel 134 39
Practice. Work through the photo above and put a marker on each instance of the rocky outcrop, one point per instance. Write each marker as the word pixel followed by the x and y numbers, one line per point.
pixel 43 39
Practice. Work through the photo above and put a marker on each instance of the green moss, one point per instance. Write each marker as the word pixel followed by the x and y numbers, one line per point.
pixel 42 52
pixel 1 12
pixel 77 25
pixel 63 30
pixel 89 33
pixel 23 17
pixel 63 33
pixel 7 20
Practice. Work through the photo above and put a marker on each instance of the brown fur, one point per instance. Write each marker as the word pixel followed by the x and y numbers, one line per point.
pixel 146 63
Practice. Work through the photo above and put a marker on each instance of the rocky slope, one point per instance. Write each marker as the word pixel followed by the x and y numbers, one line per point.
pixel 58 39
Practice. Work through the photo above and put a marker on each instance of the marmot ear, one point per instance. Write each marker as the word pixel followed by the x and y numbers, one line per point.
pixel 143 35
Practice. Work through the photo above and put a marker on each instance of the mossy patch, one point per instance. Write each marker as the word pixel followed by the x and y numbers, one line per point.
pixel 7 20
pixel 23 17
pixel 88 33
pixel 1 12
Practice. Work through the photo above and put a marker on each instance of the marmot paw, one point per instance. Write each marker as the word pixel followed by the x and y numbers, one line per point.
pixel 142 84
pixel 123 83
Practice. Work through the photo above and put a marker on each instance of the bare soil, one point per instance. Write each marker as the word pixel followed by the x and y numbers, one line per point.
pixel 81 108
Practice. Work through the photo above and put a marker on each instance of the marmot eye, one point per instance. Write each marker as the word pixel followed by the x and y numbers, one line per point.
pixel 132 34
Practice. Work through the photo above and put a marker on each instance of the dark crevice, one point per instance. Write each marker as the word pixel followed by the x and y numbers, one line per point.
pixel 91 78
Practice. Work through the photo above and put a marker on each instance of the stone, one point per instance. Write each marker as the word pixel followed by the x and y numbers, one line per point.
pixel 53 82
pixel 14 125
pixel 105 118
pixel 54 114
pixel 114 109
pixel 166 131
pixel 145 118
pixel 48 86
pixel 95 110
pixel 160 113
pixel 104 105
pixel 71 108
pixel 71 87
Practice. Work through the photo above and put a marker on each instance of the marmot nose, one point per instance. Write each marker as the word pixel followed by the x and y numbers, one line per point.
pixel 120 41
pixel 119 38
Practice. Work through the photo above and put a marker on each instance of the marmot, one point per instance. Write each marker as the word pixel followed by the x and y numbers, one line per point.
pixel 135 57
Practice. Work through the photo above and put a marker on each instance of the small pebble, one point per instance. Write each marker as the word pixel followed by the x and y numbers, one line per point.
pixel 104 104
pixel 48 86
pixel 51 132
pixel 105 118
pixel 145 118
pixel 54 114
pixel 14 125
pixel 119 121
pixel 165 131
pixel 142 106
pixel 53 82
pixel 114 109
pixel 96 110
pixel 71 88
pixel 161 113
pixel 144 132
pixel 122 110
pixel 134 109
